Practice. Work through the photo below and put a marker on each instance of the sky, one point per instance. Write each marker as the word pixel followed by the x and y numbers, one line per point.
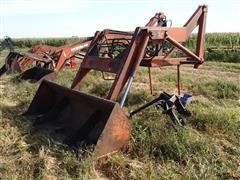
pixel 66 18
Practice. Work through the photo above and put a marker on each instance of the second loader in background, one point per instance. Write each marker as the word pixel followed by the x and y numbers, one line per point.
pixel 46 60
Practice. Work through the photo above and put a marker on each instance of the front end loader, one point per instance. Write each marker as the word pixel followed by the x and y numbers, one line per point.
pixel 49 65
pixel 82 119
pixel 19 61
pixel 48 60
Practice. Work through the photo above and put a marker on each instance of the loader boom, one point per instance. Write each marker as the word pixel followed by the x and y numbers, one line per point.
pixel 127 62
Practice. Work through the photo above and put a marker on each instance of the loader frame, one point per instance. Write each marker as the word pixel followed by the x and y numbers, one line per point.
pixel 125 65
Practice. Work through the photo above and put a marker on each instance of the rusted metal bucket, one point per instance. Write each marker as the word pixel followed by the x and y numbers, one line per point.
pixel 76 118
pixel 37 74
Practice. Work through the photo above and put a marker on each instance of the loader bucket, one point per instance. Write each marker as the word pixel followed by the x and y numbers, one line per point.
pixel 76 118
pixel 36 74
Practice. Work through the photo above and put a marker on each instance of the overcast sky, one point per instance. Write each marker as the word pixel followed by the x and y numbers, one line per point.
pixel 65 18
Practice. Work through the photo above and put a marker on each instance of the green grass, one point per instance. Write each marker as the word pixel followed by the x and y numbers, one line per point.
pixel 218 89
pixel 208 147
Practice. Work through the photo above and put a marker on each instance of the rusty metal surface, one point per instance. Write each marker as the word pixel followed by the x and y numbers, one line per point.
pixel 76 118
pixel 47 56
pixel 136 51
pixel 19 61
pixel 115 135
pixel 57 59
pixel 43 49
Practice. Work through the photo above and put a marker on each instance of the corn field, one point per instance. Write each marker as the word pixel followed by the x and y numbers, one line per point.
pixel 224 47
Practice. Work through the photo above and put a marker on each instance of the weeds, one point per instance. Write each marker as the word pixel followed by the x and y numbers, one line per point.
pixel 208 147
pixel 219 89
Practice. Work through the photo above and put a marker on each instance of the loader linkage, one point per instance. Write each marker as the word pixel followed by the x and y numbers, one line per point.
pixel 168 103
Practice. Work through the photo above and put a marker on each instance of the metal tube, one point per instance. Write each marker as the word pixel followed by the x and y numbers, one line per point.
pixel 150 80
pixel 126 91
pixel 145 106
pixel 178 79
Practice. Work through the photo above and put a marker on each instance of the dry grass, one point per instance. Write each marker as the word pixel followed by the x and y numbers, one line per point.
pixel 207 148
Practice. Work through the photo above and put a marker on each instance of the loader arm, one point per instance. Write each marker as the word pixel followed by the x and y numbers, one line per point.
pixel 68 52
